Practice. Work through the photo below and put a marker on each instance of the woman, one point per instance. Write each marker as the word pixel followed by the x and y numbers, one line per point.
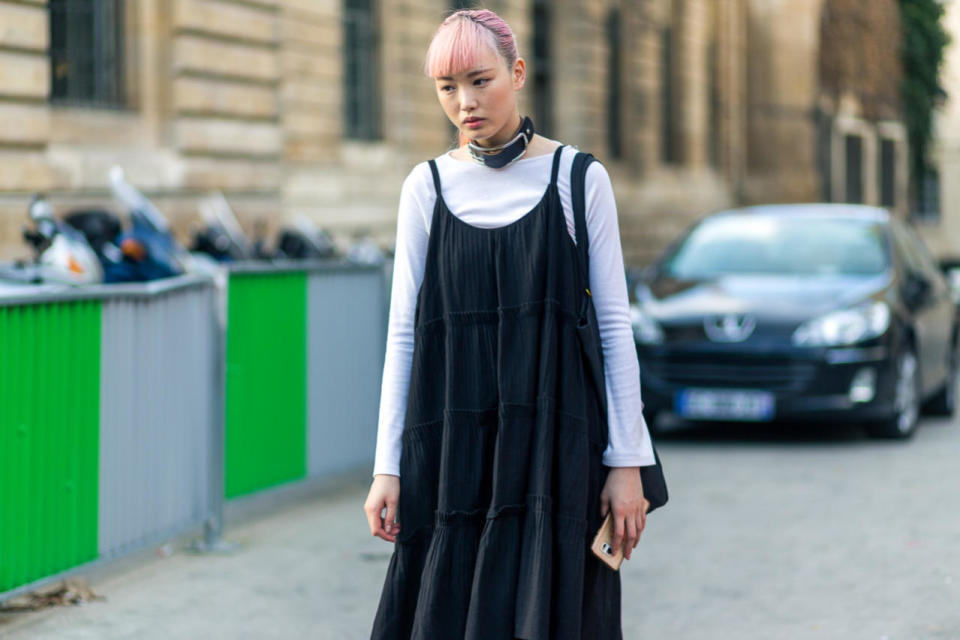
pixel 493 466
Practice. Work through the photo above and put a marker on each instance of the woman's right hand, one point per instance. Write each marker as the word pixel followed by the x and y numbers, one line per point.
pixel 384 494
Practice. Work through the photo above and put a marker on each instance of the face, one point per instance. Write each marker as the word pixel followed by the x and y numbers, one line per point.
pixel 481 102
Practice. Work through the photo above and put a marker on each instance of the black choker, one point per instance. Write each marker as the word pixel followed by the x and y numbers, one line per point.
pixel 507 153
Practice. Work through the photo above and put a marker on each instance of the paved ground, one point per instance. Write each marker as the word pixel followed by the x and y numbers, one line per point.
pixel 798 535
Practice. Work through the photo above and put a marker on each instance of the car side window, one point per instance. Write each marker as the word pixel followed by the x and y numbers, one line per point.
pixel 917 257
pixel 905 247
pixel 930 267
pixel 929 264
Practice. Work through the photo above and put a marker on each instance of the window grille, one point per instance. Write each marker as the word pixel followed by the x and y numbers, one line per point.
pixel 668 133
pixel 87 53
pixel 542 68
pixel 615 89
pixel 361 73
pixel 927 207
pixel 887 165
pixel 853 146
pixel 714 120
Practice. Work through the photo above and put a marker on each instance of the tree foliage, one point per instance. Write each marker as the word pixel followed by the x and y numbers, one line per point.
pixel 922 51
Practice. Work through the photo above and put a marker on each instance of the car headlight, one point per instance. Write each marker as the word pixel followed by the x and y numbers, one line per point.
pixel 646 330
pixel 847 326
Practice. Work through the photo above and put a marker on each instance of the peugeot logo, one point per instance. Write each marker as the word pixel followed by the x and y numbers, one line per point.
pixel 731 327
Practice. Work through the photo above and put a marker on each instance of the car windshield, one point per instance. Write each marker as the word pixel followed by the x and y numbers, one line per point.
pixel 780 245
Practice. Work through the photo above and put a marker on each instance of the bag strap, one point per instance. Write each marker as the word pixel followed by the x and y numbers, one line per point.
pixel 578 178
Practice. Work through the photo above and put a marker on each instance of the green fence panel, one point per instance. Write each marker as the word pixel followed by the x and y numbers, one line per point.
pixel 266 407
pixel 49 438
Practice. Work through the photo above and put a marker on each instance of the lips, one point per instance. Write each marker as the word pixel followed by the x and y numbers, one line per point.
pixel 472 120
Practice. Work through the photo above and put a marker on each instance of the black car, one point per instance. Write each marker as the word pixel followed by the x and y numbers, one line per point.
pixel 802 311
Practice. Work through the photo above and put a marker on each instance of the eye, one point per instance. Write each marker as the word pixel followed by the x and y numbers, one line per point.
pixel 447 88
pixel 479 80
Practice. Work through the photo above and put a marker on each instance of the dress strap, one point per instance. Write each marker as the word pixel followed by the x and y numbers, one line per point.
pixel 556 165
pixel 578 176
pixel 436 176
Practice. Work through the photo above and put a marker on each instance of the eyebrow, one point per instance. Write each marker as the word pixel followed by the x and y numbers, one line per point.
pixel 469 75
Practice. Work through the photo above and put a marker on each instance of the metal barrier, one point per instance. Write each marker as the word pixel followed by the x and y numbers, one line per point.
pixel 305 347
pixel 266 378
pixel 158 407
pixel 346 336
pixel 130 413
pixel 49 379
pixel 109 406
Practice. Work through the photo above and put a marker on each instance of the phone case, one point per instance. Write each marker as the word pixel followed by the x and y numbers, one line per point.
pixel 602 548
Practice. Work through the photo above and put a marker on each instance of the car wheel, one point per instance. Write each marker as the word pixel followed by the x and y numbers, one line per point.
pixel 944 403
pixel 903 422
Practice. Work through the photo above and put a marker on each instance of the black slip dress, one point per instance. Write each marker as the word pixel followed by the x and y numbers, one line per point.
pixel 500 468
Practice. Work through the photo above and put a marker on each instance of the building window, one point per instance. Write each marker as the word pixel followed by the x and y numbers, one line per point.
pixel 361 73
pixel 825 159
pixel 668 128
pixel 888 172
pixel 928 196
pixel 542 69
pixel 86 53
pixel 854 168
pixel 614 91
pixel 713 118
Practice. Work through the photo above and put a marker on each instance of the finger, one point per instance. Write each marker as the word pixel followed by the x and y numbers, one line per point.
pixel 376 524
pixel 388 535
pixel 604 505
pixel 631 537
pixel 389 521
pixel 642 517
pixel 641 522
pixel 618 529
pixel 373 519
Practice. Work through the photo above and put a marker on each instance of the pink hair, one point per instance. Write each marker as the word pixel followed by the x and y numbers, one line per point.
pixel 456 44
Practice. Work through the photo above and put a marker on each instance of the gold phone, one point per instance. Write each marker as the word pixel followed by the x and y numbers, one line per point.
pixel 602 544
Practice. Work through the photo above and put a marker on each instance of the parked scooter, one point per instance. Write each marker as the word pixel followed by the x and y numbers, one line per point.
pixel 304 240
pixel 364 250
pixel 259 245
pixel 103 230
pixel 221 237
pixel 149 247
pixel 61 254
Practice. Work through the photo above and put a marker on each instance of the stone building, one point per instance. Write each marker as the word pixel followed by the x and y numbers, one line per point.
pixel 940 226
pixel 320 108
pixel 824 103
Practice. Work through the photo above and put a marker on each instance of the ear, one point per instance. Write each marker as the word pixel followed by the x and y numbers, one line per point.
pixel 519 73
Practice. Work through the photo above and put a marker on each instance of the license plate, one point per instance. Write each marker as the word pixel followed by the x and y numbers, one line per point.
pixel 725 404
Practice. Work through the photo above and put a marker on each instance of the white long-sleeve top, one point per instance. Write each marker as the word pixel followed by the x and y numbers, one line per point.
pixel 486 197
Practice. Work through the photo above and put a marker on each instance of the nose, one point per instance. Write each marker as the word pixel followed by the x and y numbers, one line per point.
pixel 468 99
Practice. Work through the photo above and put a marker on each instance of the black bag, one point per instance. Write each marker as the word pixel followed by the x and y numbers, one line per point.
pixel 654 484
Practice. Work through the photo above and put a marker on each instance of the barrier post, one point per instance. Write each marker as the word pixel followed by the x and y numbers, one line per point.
pixel 212 540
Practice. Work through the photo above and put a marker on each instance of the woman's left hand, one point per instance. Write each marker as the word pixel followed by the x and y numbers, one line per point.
pixel 623 495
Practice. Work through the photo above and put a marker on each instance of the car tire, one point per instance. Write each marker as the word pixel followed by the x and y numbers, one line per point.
pixel 902 423
pixel 944 402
